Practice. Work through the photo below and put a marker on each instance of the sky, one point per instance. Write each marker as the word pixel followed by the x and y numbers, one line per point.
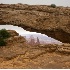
pixel 19 30
pixel 33 2
pixel 23 32
pixel 42 2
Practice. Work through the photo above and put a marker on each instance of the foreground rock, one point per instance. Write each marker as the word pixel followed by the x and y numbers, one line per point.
pixel 54 22
pixel 33 58
pixel 18 54
pixel 14 46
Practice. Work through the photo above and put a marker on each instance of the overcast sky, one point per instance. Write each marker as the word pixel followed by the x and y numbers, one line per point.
pixel 20 30
pixel 44 2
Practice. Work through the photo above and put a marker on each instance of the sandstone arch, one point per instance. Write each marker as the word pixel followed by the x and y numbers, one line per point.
pixel 54 22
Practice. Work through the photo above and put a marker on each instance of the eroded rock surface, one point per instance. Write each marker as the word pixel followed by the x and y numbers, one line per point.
pixel 18 54
pixel 54 22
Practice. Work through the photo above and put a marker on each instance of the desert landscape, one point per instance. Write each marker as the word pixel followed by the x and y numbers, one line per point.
pixel 45 19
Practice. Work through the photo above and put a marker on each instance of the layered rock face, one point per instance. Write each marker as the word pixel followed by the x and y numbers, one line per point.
pixel 54 22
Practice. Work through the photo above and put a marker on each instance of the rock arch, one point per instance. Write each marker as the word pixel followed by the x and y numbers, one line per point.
pixel 54 22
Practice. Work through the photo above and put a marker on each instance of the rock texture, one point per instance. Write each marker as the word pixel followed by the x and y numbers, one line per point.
pixel 15 45
pixel 18 54
pixel 13 33
pixel 54 22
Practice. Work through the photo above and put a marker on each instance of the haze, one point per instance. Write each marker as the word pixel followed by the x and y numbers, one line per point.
pixel 37 2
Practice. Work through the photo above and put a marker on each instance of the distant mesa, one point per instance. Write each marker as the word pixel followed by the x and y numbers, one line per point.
pixel 36 39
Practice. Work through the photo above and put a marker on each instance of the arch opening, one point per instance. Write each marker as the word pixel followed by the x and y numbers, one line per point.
pixel 43 39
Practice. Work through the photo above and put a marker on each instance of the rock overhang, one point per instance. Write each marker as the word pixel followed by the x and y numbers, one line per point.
pixel 53 22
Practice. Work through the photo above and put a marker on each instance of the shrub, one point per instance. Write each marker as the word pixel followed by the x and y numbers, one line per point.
pixel 53 5
pixel 2 42
pixel 4 34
